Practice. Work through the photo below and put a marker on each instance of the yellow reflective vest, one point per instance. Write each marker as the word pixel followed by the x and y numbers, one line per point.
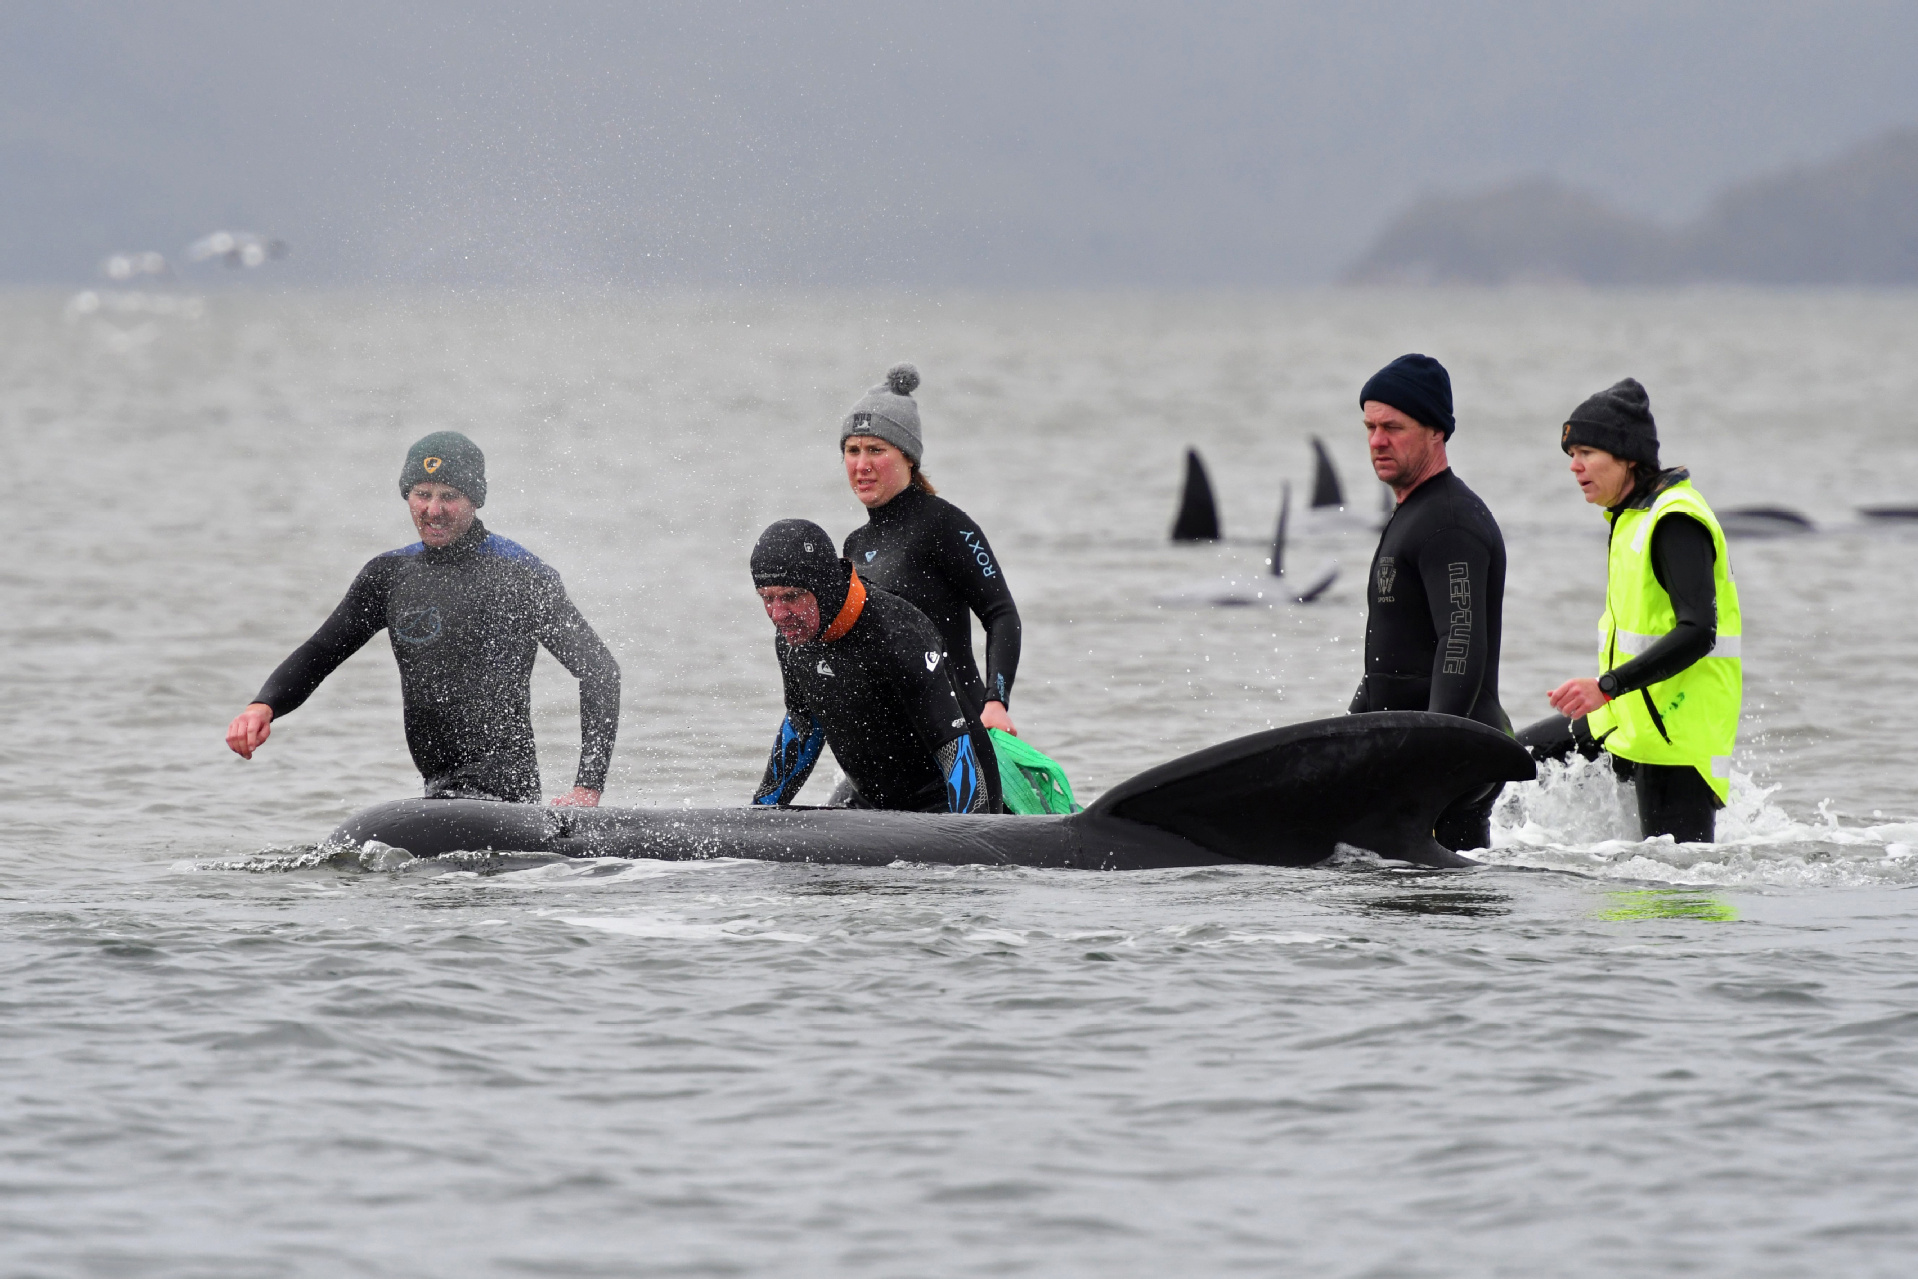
pixel 1691 718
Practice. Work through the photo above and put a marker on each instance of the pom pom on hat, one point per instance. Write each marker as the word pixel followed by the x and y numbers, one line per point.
pixel 903 379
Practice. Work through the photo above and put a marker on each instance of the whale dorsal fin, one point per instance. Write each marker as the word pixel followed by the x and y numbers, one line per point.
pixel 1198 519
pixel 1325 480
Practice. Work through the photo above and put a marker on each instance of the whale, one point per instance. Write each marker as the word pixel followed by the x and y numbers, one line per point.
pixel 1291 796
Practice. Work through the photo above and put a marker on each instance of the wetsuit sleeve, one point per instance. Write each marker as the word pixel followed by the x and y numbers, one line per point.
pixel 971 565
pixel 1456 568
pixel 358 618
pixel 795 751
pixel 570 638
pixel 1682 558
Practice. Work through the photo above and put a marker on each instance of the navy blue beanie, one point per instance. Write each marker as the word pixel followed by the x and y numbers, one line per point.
pixel 1417 386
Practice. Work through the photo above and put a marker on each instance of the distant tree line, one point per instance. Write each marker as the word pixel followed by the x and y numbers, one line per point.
pixel 1851 220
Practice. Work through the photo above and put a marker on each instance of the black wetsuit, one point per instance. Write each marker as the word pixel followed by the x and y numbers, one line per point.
pixel 1672 798
pixel 1435 601
pixel 882 696
pixel 465 621
pixel 931 553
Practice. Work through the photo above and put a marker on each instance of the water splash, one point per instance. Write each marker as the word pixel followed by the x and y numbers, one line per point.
pixel 1577 816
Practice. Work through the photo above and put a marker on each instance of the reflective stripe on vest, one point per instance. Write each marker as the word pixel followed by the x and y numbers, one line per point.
pixel 1691 718
pixel 1632 644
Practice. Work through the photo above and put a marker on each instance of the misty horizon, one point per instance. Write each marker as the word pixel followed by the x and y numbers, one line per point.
pixel 1065 145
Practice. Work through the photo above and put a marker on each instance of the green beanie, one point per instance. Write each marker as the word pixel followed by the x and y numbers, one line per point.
pixel 446 457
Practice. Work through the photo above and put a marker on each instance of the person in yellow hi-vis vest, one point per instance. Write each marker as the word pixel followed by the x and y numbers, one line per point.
pixel 1666 700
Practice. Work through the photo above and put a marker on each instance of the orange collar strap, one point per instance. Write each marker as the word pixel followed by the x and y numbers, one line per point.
pixel 848 612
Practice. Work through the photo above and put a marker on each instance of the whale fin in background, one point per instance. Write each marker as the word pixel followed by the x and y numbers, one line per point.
pixel 1289 796
pixel 1319 585
pixel 1763 521
pixel 1198 519
pixel 1278 538
pixel 1892 513
pixel 1325 480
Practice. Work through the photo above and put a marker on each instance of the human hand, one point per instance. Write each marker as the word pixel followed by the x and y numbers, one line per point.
pixel 250 729
pixel 994 716
pixel 578 797
pixel 1576 698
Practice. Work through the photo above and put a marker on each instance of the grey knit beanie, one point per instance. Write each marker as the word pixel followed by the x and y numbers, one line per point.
pixel 889 412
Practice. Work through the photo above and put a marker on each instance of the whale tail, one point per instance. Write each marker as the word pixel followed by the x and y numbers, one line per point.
pixel 1290 796
pixel 1198 519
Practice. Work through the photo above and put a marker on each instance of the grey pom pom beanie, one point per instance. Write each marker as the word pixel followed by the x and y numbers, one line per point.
pixel 889 412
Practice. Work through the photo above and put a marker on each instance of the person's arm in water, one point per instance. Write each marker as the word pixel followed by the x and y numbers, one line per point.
pixel 970 563
pixel 1456 569
pixel 795 750
pixel 1682 558
pixel 358 618
pixel 568 637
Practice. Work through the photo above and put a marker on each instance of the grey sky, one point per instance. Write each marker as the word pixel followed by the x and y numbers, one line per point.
pixel 973 144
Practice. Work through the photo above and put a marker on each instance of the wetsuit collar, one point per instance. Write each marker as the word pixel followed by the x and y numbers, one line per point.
pixel 1423 484
pixel 848 612
pixel 903 504
pixel 471 538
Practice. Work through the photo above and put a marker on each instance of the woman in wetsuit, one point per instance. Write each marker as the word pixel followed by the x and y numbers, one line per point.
pixel 920 546
pixel 1666 703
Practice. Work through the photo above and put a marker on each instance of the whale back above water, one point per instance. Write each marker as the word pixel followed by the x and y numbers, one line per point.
pixel 1285 797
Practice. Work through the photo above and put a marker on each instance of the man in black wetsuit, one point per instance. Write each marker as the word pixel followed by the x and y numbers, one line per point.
pixel 866 674
pixel 466 610
pixel 1437 589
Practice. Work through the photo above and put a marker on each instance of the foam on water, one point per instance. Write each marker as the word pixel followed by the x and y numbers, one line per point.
pixel 1577 816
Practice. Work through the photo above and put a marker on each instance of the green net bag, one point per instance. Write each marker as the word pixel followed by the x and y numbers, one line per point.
pixel 1031 781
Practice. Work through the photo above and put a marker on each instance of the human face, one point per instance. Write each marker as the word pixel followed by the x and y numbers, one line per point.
pixel 1405 451
pixel 1604 479
pixel 794 613
pixel 440 512
pixel 877 471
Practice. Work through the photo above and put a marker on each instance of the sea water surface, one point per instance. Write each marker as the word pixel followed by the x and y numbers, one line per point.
pixel 228 1052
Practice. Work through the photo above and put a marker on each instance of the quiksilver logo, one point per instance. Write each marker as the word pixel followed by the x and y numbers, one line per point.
pixel 869 555
pixel 822 668
pixel 932 660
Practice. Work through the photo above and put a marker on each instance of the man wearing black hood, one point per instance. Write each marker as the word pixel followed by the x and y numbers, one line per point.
pixel 865 673
pixel 1436 595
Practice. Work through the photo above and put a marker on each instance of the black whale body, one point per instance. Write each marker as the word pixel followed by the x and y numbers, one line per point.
pixel 1284 797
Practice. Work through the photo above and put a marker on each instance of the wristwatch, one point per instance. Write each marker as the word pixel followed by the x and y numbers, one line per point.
pixel 1608 685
